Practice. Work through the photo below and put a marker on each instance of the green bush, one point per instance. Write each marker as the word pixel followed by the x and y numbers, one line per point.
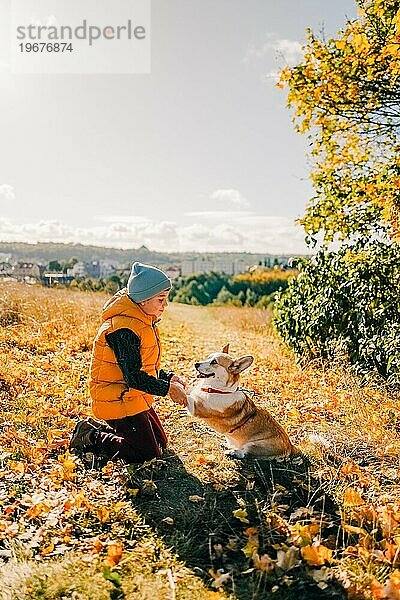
pixel 246 289
pixel 199 288
pixel 348 302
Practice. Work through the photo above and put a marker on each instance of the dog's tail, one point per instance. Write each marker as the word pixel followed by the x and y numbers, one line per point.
pixel 314 438
pixel 319 440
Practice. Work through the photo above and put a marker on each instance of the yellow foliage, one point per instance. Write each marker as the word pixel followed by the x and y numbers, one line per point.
pixel 316 555
pixel 351 122
pixel 352 498
pixel 241 514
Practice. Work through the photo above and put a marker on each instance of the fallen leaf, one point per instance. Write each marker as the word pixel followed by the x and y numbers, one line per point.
pixel 304 534
pixel 196 498
pixel 241 514
pixel 48 549
pixel 316 555
pixel 114 554
pixel 288 559
pixel 392 586
pixel 250 531
pixel 251 546
pixel 97 546
pixel 103 514
pixel 263 563
pixel 377 590
pixel 219 578
pixel 352 498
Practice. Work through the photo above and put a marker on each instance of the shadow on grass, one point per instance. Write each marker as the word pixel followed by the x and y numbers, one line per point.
pixel 206 535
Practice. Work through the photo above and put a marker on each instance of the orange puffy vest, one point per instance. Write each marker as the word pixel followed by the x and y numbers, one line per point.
pixel 111 396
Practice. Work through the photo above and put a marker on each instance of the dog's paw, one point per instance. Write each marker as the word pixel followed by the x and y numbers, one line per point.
pixel 190 405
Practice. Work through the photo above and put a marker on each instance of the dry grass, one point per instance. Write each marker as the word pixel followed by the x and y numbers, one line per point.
pixel 257 320
pixel 56 545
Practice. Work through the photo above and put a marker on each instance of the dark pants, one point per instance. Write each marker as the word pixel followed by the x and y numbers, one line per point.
pixel 133 439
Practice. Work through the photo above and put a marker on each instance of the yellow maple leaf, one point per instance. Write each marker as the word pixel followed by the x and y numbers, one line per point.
pixel 316 555
pixel 241 514
pixel 360 43
pixel 305 533
pixel 37 509
pixel 17 466
pixel 352 498
pixel 251 546
pixel 68 464
pixel 396 22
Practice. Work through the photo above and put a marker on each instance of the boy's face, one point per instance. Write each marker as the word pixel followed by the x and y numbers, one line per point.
pixel 155 306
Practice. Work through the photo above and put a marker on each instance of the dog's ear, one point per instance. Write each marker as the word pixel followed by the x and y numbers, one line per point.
pixel 225 349
pixel 240 364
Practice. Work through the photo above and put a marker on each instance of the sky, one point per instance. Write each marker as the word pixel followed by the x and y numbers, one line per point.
pixel 199 154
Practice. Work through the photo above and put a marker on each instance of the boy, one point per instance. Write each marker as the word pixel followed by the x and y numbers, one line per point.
pixel 125 374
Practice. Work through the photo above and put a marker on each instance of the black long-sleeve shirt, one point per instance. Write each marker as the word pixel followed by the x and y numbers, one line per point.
pixel 126 347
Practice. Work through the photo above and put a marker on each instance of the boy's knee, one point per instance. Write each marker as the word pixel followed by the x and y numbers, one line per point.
pixel 134 455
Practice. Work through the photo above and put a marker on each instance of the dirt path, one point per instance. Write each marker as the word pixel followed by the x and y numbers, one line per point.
pixel 221 508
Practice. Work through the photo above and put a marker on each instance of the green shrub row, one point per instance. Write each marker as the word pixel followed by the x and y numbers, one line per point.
pixel 247 289
pixel 346 302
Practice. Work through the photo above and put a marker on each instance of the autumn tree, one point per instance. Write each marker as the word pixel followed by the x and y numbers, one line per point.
pixel 346 97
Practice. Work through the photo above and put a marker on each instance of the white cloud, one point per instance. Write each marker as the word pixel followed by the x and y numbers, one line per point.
pixel 290 51
pixel 121 219
pixel 241 232
pixel 7 192
pixel 219 215
pixel 229 198
pixel 216 238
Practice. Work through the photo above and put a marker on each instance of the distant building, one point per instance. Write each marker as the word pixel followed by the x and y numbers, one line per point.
pixel 93 269
pixel 26 270
pixel 5 268
pixel 205 265
pixel 172 271
pixel 107 269
pixel 77 271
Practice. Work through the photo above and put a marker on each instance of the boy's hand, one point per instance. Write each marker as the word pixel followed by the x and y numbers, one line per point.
pixel 177 393
pixel 181 380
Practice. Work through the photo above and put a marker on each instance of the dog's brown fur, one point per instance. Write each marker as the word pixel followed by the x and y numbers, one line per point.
pixel 250 430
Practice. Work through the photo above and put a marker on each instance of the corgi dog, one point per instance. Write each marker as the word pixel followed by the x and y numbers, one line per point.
pixel 218 400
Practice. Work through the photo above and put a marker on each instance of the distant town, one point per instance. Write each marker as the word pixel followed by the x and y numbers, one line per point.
pixel 52 264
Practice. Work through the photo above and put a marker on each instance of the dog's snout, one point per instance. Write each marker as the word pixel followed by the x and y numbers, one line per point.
pixel 196 365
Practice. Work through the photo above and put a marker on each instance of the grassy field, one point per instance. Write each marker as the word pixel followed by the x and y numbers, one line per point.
pixel 196 524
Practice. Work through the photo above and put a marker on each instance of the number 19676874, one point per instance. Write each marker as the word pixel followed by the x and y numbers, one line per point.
pixel 45 47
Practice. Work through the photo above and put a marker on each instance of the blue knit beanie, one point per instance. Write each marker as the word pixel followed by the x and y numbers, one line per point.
pixel 146 281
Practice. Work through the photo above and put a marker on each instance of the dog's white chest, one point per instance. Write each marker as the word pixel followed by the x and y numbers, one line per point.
pixel 212 401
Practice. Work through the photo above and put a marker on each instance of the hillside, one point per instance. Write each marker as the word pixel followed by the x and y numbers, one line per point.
pixel 196 524
pixel 44 252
